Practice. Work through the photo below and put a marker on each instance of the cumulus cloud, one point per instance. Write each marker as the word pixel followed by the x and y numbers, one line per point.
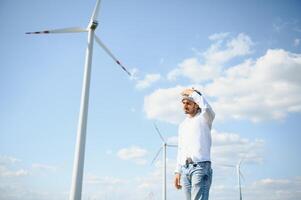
pixel 173 140
pixel 6 172
pixel 20 191
pixel 134 153
pixel 230 148
pixel 276 189
pixel 103 181
pixel 193 69
pixel 262 189
pixel 8 167
pixel 8 159
pixel 268 88
pixel 164 105
pixel 44 167
pixel 219 36
pixel 148 80
pixel 221 51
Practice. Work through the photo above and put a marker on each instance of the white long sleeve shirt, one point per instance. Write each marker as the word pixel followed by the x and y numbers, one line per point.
pixel 194 136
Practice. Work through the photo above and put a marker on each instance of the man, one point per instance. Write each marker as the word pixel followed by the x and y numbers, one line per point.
pixel 194 144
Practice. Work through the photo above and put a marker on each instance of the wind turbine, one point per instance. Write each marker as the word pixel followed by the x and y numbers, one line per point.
pixel 238 174
pixel 164 146
pixel 78 167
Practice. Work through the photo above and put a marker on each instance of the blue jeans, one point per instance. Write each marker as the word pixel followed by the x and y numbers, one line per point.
pixel 197 180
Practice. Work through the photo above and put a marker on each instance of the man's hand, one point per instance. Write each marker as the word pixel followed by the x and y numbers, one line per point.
pixel 177 181
pixel 187 92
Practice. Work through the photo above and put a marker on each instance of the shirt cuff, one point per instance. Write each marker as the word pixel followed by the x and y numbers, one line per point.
pixel 178 170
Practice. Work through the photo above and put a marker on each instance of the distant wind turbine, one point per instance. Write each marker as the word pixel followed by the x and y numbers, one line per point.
pixel 239 174
pixel 164 146
pixel 77 178
pixel 150 196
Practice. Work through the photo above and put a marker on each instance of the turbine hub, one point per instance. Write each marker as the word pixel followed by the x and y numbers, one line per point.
pixel 94 25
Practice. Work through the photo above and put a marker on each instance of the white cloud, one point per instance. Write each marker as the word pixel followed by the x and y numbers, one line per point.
pixel 262 189
pixel 229 148
pixel 148 80
pixel 151 182
pixel 24 192
pixel 103 181
pixel 217 54
pixel 8 160
pixel 276 189
pixel 8 167
pixel 219 36
pixel 214 57
pixel 5 172
pixel 192 69
pixel 272 182
pixel 173 140
pixel 164 105
pixel 268 88
pixel 44 167
pixel 134 153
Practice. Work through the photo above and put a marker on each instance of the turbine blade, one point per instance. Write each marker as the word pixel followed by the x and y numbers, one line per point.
pixel 225 165
pixel 63 30
pixel 242 160
pixel 156 156
pixel 242 176
pixel 172 145
pixel 111 55
pixel 159 133
pixel 96 11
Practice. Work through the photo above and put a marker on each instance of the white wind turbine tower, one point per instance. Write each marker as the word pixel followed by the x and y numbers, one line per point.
pixel 239 175
pixel 77 177
pixel 164 146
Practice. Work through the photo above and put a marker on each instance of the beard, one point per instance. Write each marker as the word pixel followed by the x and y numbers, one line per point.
pixel 187 111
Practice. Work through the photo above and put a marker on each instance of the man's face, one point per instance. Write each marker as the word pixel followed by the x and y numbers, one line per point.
pixel 190 107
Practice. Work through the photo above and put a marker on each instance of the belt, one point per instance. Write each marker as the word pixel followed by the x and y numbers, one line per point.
pixel 189 161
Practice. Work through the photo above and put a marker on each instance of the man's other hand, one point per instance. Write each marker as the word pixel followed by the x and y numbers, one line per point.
pixel 177 181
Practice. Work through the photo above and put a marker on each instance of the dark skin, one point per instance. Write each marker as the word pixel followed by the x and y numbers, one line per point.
pixel 191 109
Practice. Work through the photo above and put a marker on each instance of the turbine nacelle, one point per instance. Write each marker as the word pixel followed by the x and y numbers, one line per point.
pixel 93 25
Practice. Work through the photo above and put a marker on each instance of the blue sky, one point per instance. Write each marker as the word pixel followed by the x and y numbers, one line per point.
pixel 244 56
